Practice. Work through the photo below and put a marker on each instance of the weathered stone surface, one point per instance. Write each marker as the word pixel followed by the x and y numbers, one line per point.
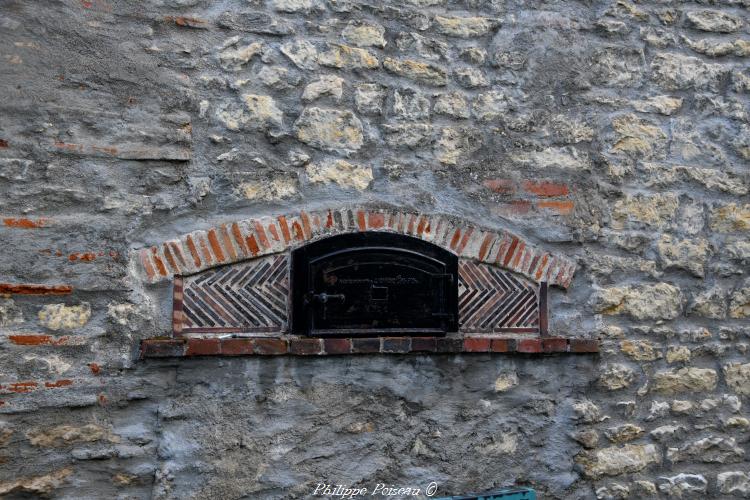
pixel 123 125
pixel 667 432
pixel 714 48
pixel 490 106
pixel 470 78
pixel 566 158
pixel 329 129
pixel 640 350
pixel 684 380
pixel 346 57
pixel 588 438
pixel 506 381
pixel 456 143
pixel 464 27
pixel 678 72
pixel 37 485
pixel 661 104
pixel 617 460
pixel 10 313
pixel 411 105
pixel 66 435
pixel 236 56
pixel 62 317
pixel 369 98
pixel 453 104
pixel 713 20
pixel 623 433
pixel 364 34
pixel 635 210
pixel 302 53
pixel 587 412
pixel 678 354
pixel 341 172
pixel 426 48
pixel 737 377
pixel 734 483
pixel 711 303
pixel 638 137
pixel 326 85
pixel 730 218
pixel 292 5
pixel 263 111
pixel 688 254
pixel 683 484
pixel 269 189
pixel 739 305
pixel 255 22
pixel 411 135
pixel 278 77
pixel 616 376
pixel 418 71
pixel 661 301
pixel 712 449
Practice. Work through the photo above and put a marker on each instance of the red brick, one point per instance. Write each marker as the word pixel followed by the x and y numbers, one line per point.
pixel 182 21
pixel 396 344
pixel 376 220
pixel 305 346
pixel 154 348
pixel 270 346
pixel 545 188
pixel 502 186
pixel 284 229
pixel 25 223
pixel 584 345
pixel 58 384
pixel 554 344
pixel 476 345
pixel 236 347
pixel 203 347
pixel 449 345
pixel 563 207
pixel 10 288
pixel 503 345
pixel 515 208
pixel 364 346
pixel 95 368
pixel 337 346
pixel 193 251
pixel 423 344
pixel 213 240
pixel 529 346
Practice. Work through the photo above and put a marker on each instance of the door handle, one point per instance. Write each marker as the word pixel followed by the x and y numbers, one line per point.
pixel 323 298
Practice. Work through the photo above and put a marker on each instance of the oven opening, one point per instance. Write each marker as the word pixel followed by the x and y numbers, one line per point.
pixel 373 283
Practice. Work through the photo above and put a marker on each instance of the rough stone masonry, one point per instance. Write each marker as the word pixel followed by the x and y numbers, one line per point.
pixel 615 132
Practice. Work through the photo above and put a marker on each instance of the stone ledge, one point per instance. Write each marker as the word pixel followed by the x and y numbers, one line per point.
pixel 305 346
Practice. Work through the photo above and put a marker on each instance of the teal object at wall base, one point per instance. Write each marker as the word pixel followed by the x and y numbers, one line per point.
pixel 503 494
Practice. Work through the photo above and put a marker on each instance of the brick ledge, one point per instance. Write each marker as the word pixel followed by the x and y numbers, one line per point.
pixel 304 346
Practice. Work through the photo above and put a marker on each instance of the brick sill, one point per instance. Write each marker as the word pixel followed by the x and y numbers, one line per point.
pixel 304 346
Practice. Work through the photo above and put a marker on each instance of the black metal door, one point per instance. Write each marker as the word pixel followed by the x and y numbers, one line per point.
pixel 374 283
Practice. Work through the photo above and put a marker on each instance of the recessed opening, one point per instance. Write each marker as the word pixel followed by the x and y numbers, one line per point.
pixel 373 283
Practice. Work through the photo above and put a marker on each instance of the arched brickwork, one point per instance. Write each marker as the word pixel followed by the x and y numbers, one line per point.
pixel 250 238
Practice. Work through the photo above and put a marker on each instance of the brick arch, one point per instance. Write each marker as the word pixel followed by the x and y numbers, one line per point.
pixel 251 238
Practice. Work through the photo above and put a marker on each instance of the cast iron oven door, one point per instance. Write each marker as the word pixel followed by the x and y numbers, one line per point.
pixel 373 283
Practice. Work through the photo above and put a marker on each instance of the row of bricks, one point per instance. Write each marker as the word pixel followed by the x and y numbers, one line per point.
pixel 544 189
pixel 240 240
pixel 157 348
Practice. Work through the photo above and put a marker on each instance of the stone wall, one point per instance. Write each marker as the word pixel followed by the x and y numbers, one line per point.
pixel 611 132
